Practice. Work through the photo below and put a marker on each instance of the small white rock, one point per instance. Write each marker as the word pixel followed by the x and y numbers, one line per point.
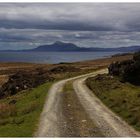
pixel 17 87
pixel 71 118
pixel 83 121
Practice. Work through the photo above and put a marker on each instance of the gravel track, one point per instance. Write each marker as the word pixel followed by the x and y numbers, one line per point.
pixel 52 115
pixel 108 122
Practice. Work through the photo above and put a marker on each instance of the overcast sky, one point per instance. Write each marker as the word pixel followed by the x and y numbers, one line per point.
pixel 26 25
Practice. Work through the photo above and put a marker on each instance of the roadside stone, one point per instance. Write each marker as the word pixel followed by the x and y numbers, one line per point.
pixel 71 118
pixel 83 121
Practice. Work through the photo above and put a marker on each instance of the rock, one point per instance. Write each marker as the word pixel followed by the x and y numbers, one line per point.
pixel 71 118
pixel 128 70
pixel 83 121
pixel 25 87
pixel 17 88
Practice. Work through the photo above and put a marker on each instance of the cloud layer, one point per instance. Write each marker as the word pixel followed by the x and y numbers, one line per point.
pixel 87 25
pixel 95 17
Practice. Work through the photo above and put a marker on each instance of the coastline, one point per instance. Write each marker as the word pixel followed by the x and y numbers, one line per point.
pixel 8 68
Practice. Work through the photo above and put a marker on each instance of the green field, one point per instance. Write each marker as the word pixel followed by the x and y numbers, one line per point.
pixel 20 119
pixel 122 98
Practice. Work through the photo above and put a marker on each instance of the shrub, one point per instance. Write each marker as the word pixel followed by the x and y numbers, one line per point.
pixel 17 120
pixel 4 121
pixel 7 110
pixel 33 106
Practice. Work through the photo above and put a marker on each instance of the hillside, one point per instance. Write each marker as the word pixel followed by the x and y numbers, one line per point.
pixel 58 46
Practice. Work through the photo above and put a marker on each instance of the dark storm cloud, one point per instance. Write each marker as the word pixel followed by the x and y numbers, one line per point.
pixel 90 16
pixel 87 25
pixel 50 25
pixel 35 37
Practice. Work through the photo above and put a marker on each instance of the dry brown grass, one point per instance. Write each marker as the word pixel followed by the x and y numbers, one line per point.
pixel 104 62
pixel 3 79
pixel 10 68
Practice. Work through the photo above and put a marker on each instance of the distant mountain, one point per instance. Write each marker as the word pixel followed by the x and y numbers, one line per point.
pixel 129 49
pixel 70 47
pixel 119 49
pixel 59 47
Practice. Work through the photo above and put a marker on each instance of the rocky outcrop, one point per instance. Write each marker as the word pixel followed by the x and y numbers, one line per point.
pixel 128 70
pixel 118 68
pixel 23 80
pixel 26 79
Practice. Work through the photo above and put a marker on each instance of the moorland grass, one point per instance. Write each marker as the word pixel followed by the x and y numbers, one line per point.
pixel 122 98
pixel 20 114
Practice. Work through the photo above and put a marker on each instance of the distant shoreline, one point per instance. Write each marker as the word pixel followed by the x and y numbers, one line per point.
pixel 52 57
pixel 115 56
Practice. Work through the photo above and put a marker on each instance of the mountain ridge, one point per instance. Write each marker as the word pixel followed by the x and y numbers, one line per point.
pixel 59 46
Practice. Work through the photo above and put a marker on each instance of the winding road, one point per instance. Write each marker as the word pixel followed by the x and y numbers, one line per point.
pixel 52 120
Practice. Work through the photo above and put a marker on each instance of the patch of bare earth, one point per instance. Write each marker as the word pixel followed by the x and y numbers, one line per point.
pixel 76 122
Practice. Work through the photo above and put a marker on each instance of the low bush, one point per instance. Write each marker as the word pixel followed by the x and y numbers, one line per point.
pixel 7 110
pixel 30 108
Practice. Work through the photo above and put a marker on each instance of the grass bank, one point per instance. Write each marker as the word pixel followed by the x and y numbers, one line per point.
pixel 19 114
pixel 122 98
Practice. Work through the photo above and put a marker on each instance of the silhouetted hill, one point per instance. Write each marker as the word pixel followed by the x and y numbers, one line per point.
pixel 70 47
pixel 128 49
pixel 59 47
pixel 67 47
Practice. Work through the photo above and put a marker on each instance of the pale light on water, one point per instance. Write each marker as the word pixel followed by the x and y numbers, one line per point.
pixel 51 57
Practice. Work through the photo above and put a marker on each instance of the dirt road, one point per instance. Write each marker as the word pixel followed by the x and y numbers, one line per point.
pixel 109 123
pixel 52 121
